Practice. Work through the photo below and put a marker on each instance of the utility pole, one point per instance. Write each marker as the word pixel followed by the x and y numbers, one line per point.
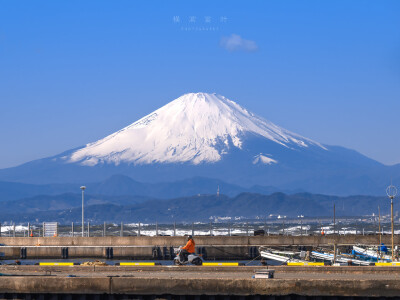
pixel 83 210
pixel 379 228
pixel 391 192
pixel 391 212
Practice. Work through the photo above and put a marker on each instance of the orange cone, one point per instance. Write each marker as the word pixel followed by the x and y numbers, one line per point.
pixel 31 235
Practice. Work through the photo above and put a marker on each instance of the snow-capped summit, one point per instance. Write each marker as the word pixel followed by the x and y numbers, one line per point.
pixel 195 128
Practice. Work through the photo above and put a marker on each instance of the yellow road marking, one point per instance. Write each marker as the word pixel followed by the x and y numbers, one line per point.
pixel 56 264
pixel 305 264
pixel 394 264
pixel 220 264
pixel 137 264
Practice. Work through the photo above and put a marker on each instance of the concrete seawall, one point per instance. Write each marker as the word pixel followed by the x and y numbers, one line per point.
pixel 198 286
pixel 111 241
pixel 306 282
pixel 160 286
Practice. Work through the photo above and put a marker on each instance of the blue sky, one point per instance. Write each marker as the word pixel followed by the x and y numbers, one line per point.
pixel 72 72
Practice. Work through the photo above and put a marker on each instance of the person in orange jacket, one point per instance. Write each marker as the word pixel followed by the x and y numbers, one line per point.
pixel 188 249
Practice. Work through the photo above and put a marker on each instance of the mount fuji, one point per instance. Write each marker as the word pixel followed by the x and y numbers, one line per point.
pixel 195 128
pixel 208 135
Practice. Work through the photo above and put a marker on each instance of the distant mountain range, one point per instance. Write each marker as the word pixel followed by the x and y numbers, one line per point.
pixel 169 165
pixel 66 208
pixel 120 185
pixel 120 198
pixel 209 136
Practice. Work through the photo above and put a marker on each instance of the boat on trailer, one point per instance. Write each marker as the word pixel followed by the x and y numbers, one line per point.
pixel 282 257
pixel 341 259
pixel 372 253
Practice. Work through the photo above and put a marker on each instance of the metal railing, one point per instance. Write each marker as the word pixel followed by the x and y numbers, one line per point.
pixel 199 229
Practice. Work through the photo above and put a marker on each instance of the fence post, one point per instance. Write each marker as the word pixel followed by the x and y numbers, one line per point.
pixel 104 229
pixel 122 229
pixel 247 228
pixel 334 253
pixel 156 228
pixel 174 228
pixel 29 229
pixel 72 229
pixel 88 229
pixel 192 228
pixel 0 229
pixel 43 229
pixel 211 228
pixel 229 229
pixel 265 227
pixel 139 229
pixel 301 227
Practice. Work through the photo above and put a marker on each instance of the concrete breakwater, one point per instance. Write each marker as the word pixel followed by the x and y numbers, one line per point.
pixel 161 247
pixel 169 282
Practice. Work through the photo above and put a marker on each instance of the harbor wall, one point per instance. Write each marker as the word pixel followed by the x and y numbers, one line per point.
pixel 175 241
pixel 51 282
pixel 162 247
pixel 199 286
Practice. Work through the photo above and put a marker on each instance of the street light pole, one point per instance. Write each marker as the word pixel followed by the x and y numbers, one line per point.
pixel 380 233
pixel 391 191
pixel 391 212
pixel 83 211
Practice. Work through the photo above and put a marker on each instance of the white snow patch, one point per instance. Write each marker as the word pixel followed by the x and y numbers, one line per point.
pixel 263 159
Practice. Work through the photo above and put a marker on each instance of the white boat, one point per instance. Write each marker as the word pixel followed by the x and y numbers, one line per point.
pixel 289 257
pixel 280 256
pixel 371 253
pixel 339 258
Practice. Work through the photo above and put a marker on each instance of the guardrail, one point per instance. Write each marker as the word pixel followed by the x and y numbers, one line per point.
pixel 237 228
